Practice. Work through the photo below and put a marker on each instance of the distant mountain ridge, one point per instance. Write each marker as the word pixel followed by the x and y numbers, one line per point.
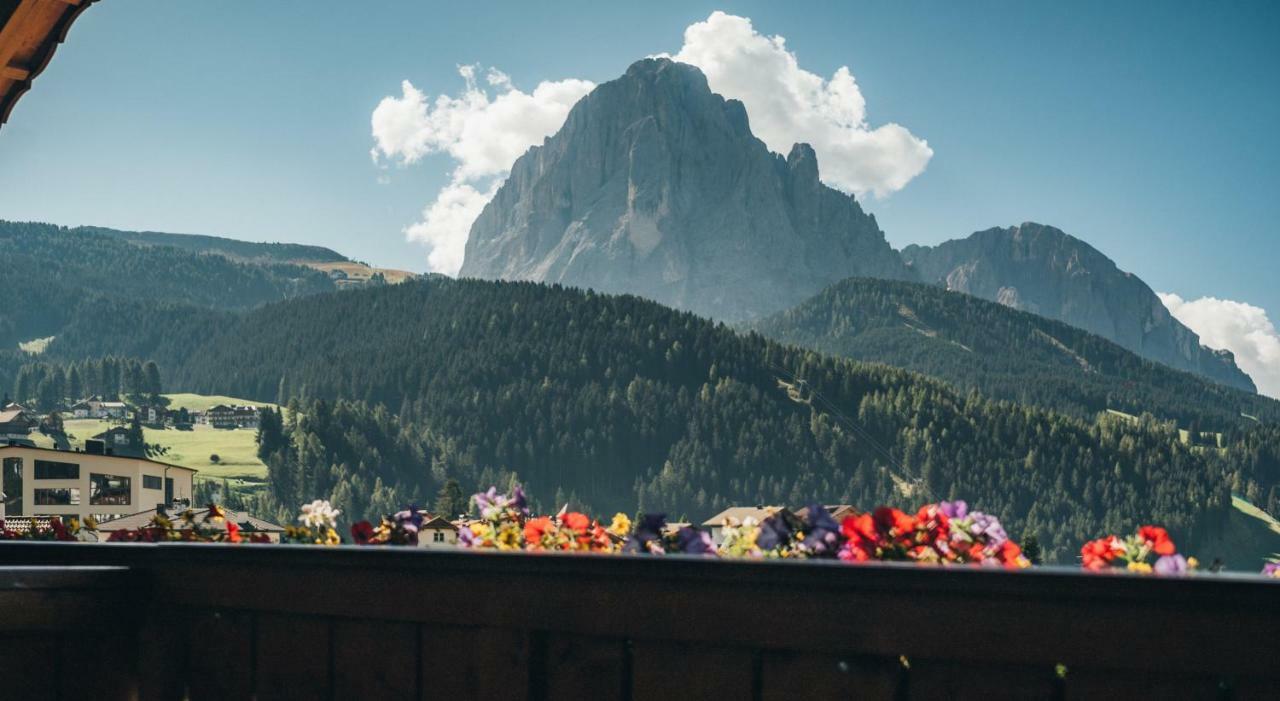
pixel 1043 270
pixel 655 186
pixel 52 274
pixel 233 248
pixel 1006 354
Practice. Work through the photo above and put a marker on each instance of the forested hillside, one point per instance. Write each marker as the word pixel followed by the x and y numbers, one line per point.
pixel 1006 354
pixel 621 403
pixel 51 272
pixel 231 248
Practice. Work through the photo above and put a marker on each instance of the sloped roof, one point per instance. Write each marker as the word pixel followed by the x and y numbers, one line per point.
pixel 30 31
pixel 438 523
pixel 739 513
pixel 143 518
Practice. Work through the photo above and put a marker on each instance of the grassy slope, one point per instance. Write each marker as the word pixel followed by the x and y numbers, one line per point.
pixel 1250 538
pixel 235 448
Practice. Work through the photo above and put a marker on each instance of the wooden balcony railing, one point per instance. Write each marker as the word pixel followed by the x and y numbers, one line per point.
pixel 276 622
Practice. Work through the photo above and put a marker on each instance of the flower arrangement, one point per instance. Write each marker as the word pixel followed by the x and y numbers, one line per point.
pixel 319 525
pixel 56 530
pixel 943 533
pixel 505 524
pixel 1135 554
pixel 212 527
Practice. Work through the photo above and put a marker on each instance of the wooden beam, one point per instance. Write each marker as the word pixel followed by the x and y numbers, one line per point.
pixel 14 73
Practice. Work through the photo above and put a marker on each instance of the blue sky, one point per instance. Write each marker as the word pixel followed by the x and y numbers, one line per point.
pixel 1148 130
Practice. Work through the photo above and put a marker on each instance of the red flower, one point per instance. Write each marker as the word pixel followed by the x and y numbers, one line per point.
pixel 889 519
pixel 233 531
pixel 1157 539
pixel 858 528
pixel 1098 554
pixel 577 521
pixel 362 532
pixel 1010 554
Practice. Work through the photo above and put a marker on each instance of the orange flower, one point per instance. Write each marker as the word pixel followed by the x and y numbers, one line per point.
pixel 535 528
pixel 233 531
pixel 1157 539
pixel 577 521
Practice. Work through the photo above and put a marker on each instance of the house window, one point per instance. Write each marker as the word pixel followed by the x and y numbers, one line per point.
pixel 11 486
pixel 58 497
pixel 152 482
pixel 50 470
pixel 108 490
pixel 437 537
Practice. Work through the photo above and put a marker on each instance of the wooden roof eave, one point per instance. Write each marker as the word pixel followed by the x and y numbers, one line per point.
pixel 28 39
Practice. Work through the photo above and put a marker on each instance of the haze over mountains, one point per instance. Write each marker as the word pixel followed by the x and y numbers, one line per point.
pixel 655 186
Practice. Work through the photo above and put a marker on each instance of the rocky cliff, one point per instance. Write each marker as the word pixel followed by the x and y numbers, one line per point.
pixel 1043 270
pixel 655 186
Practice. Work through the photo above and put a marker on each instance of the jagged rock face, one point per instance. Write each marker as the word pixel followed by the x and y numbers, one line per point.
pixel 655 186
pixel 1042 270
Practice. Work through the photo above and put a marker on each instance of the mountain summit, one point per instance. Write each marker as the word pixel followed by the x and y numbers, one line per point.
pixel 656 186
pixel 1043 270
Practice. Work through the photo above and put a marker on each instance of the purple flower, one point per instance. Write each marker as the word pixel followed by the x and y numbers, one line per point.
pixel 518 501
pixel 1171 565
pixel 695 542
pixel 823 532
pixel 773 532
pixel 647 536
pixel 1271 569
pixel 409 519
pixel 987 526
pixel 954 509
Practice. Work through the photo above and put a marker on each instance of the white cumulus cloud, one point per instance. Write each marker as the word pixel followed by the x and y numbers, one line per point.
pixel 483 130
pixel 486 127
pixel 1238 327
pixel 787 104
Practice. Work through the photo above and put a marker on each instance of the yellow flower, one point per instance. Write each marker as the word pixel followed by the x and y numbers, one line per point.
pixel 621 525
pixel 508 537
pixel 1192 563
pixel 1139 567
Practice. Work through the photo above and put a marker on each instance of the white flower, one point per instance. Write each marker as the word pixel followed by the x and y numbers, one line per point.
pixel 319 514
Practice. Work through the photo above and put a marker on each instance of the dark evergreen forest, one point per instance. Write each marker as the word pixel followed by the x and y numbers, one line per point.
pixel 614 402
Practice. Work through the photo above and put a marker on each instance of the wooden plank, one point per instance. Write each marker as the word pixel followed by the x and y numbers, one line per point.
pixel 474 664
pixel 579 667
pixel 14 72
pixel 375 660
pixel 671 672
pixel 28 665
pixel 1106 684
pixel 956 681
pixel 218 655
pixel 829 676
pixel 292 657
pixel 162 654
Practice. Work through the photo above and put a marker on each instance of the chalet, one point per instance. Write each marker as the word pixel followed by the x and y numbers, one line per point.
pixel 82 409
pixel 436 532
pixel 249 524
pixel 152 415
pixel 839 512
pixel 109 410
pixel 15 422
pixel 736 515
pixel 47 482
pixel 224 416
pixel 117 440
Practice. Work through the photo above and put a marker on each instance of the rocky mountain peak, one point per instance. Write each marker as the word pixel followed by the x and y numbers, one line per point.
pixel 656 186
pixel 1044 270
